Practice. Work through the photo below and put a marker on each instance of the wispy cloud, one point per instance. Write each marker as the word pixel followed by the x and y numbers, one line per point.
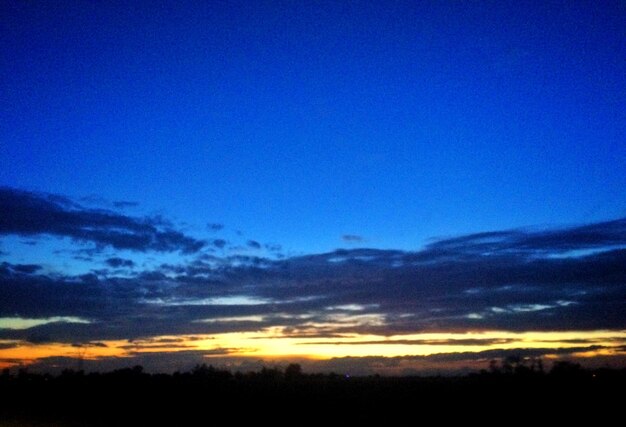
pixel 116 262
pixel 214 226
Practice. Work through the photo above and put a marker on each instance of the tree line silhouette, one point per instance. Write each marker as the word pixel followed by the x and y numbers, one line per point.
pixel 131 396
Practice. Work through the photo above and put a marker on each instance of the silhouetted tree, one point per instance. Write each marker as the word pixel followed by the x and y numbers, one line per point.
pixel 294 370
pixel 494 368
pixel 566 368
pixel 270 374
pixel 210 373
pixel 536 365
pixel 203 370
pixel 511 364
pixel 519 365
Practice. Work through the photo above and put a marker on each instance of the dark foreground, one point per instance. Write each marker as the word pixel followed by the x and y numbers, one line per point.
pixel 208 397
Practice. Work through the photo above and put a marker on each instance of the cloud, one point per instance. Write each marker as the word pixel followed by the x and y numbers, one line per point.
pixel 513 280
pixel 352 238
pixel 214 226
pixel 29 214
pixel 219 243
pixel 22 268
pixel 91 344
pixel 8 344
pixel 588 237
pixel 443 342
pixel 254 244
pixel 120 262
pixel 273 247
pixel 21 323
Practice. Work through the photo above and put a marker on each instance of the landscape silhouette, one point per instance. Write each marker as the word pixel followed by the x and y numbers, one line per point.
pixel 515 386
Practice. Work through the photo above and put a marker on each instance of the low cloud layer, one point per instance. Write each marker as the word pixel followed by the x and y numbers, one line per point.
pixel 569 279
pixel 511 280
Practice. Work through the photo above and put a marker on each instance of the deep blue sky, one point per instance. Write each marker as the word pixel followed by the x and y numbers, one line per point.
pixel 300 122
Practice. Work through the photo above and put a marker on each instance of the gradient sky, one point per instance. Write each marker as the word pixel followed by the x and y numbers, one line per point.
pixel 175 173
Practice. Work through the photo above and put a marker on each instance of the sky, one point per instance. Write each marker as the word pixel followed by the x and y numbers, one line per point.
pixel 387 187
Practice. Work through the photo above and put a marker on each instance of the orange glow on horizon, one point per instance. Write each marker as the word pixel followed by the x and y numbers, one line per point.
pixel 273 343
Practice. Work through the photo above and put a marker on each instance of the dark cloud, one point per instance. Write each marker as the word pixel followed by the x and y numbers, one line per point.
pixel 214 226
pixel 120 262
pixel 154 347
pixel 352 238
pixel 7 345
pixel 587 237
pixel 162 340
pixel 90 344
pixel 254 244
pixel 273 247
pixel 219 243
pixel 22 268
pixel 508 280
pixel 463 342
pixel 28 214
